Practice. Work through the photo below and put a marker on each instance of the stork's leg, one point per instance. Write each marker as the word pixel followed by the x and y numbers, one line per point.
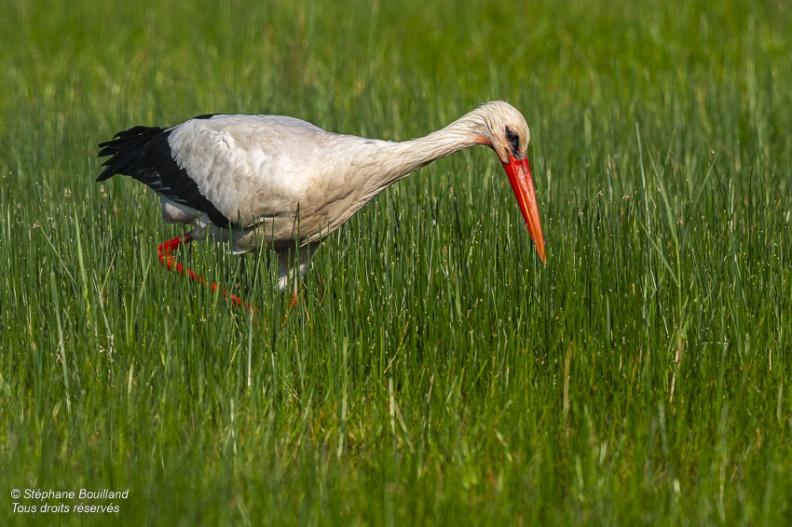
pixel 166 259
pixel 291 267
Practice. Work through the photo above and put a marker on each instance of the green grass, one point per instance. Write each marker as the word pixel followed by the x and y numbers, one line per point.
pixel 433 372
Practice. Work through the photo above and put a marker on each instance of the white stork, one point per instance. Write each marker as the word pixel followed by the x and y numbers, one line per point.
pixel 280 181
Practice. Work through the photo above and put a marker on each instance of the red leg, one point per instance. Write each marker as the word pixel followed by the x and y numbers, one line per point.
pixel 291 305
pixel 164 249
pixel 166 259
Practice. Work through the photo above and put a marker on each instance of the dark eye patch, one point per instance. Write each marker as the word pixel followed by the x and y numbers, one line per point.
pixel 514 139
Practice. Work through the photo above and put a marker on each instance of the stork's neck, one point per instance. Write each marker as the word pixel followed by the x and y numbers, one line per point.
pixel 394 161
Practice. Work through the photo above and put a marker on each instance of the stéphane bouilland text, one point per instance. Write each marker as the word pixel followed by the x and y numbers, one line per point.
pixel 82 494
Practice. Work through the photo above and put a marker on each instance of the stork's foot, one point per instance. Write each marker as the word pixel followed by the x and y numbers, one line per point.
pixel 165 248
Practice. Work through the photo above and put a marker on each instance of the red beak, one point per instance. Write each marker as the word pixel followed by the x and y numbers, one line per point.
pixel 519 172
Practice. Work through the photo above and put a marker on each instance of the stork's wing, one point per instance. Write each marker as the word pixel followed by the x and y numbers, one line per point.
pixel 145 154
pixel 238 169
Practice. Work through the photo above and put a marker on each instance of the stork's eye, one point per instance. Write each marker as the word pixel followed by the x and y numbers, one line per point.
pixel 514 139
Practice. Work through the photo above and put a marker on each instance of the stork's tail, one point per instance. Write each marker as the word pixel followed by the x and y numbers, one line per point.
pixel 127 149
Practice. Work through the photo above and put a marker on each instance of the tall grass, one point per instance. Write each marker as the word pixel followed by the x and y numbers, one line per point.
pixel 433 371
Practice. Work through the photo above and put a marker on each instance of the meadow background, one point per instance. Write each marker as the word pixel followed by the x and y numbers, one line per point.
pixel 433 371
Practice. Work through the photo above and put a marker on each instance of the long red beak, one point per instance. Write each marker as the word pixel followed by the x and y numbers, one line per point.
pixel 519 172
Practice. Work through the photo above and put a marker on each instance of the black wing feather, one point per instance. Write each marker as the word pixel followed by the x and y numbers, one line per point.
pixel 144 153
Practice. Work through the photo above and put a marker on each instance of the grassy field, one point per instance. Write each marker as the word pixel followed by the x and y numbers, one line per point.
pixel 433 371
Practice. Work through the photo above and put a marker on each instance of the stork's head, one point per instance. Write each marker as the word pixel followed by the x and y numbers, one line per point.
pixel 504 129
